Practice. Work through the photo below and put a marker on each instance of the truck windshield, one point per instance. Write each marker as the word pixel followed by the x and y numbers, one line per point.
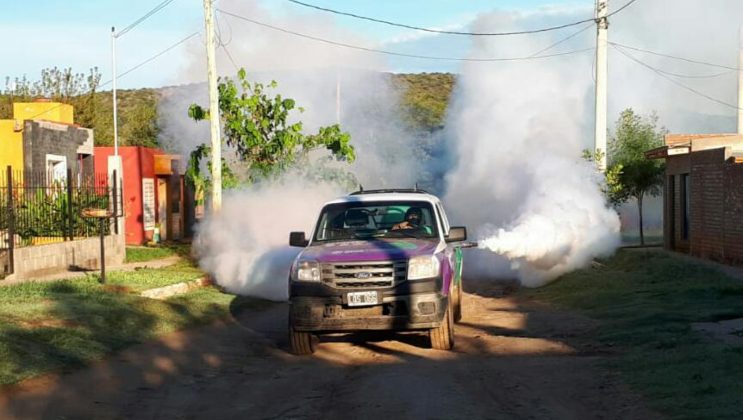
pixel 368 220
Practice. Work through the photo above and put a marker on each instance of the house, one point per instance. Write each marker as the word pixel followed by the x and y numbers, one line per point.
pixel 154 193
pixel 50 183
pixel 703 195
pixel 43 138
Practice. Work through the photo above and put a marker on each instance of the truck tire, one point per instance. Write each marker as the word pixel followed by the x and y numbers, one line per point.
pixel 300 342
pixel 457 296
pixel 442 337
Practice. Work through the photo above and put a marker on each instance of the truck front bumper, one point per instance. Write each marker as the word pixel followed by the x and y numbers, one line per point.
pixel 396 312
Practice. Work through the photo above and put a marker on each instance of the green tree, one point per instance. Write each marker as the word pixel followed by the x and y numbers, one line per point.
pixel 639 176
pixel 612 187
pixel 139 125
pixel 256 126
pixel 93 109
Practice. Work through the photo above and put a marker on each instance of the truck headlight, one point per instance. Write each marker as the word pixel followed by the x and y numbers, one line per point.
pixel 423 267
pixel 308 271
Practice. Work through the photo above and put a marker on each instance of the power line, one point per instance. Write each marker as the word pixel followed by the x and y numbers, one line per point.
pixel 146 16
pixel 399 54
pixel 674 81
pixel 567 38
pixel 688 60
pixel 696 76
pixel 440 31
pixel 232 60
pixel 131 69
pixel 159 54
pixel 219 32
pixel 221 43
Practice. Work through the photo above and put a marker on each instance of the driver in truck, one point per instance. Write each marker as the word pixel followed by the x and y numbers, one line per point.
pixel 413 218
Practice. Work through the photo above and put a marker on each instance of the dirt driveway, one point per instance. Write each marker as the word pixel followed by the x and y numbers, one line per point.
pixel 514 359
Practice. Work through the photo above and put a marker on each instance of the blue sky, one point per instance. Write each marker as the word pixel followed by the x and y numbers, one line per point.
pixel 76 33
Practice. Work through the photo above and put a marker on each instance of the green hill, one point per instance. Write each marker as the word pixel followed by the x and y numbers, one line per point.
pixel 423 98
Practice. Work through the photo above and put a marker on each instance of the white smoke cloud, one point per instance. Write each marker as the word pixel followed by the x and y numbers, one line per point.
pixel 520 183
pixel 514 134
pixel 245 246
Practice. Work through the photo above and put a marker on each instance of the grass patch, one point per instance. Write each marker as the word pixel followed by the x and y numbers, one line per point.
pixel 66 324
pixel 150 253
pixel 652 237
pixel 647 302
pixel 150 278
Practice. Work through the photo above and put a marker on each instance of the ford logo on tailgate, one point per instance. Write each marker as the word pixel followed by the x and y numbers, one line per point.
pixel 363 275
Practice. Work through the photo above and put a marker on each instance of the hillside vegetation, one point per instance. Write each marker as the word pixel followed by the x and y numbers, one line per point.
pixel 423 99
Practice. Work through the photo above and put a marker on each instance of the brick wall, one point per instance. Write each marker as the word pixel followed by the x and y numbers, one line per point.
pixel 716 205
pixel 707 204
pixel 673 225
pixel 40 260
pixel 733 235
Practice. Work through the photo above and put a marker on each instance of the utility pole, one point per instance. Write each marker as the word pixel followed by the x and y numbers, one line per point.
pixel 337 97
pixel 211 68
pixel 740 84
pixel 115 167
pixel 602 38
pixel 113 90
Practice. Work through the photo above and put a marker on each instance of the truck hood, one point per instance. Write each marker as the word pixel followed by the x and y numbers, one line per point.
pixel 376 250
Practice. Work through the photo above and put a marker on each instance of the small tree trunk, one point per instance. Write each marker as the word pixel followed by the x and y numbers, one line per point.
pixel 639 208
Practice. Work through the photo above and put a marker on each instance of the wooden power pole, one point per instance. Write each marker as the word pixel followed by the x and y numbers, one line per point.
pixel 602 38
pixel 211 68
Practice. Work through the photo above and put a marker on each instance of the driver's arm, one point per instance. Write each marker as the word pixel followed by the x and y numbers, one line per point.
pixel 401 225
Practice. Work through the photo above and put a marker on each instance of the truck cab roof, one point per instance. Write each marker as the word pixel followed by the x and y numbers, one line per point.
pixel 387 195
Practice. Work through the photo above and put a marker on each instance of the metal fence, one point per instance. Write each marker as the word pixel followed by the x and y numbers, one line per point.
pixel 39 208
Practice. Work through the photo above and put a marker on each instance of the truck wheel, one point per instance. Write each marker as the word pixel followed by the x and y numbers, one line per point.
pixel 442 337
pixel 457 296
pixel 300 342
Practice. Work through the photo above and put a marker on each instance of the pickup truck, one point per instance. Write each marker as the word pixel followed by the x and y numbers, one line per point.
pixel 377 260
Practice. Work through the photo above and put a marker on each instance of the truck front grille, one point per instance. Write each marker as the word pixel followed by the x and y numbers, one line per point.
pixel 365 274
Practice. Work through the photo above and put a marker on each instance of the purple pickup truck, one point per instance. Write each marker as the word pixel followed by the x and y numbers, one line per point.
pixel 377 260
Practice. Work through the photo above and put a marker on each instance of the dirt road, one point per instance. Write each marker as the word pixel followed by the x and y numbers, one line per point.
pixel 514 359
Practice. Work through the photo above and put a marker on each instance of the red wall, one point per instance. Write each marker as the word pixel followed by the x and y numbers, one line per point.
pixel 137 162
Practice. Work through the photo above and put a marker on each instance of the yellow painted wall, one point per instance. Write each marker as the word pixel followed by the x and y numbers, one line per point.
pixel 51 111
pixel 11 146
pixel 11 141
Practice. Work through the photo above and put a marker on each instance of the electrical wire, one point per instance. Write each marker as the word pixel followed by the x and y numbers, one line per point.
pixel 146 16
pixel 696 76
pixel 439 31
pixel 131 69
pixel 398 54
pixel 232 60
pixel 567 38
pixel 688 60
pixel 158 54
pixel 219 31
pixel 674 81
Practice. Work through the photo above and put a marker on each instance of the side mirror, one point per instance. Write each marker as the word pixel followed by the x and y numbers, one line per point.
pixel 298 239
pixel 457 234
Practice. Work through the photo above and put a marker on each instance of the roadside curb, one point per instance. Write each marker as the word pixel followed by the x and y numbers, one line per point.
pixel 165 292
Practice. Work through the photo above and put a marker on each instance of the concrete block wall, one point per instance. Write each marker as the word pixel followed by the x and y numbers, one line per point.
pixel 41 260
pixel 43 137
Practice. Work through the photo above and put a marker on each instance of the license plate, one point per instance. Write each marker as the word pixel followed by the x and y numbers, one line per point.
pixel 362 298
